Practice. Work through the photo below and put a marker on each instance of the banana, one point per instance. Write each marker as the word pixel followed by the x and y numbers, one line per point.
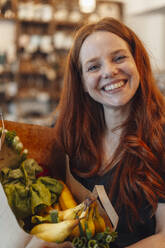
pixel 71 213
pixel 66 199
pixel 57 232
pixel 41 228
pixel 68 214
pixel 98 221
pixel 94 221
pixel 89 224
pixel 76 230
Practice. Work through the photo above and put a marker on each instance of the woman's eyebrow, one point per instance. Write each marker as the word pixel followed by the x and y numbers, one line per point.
pixel 118 51
pixel 91 60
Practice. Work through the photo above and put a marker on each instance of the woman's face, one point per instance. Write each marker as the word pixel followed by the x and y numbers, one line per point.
pixel 109 72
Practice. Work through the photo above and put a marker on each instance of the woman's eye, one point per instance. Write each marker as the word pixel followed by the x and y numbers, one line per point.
pixel 119 58
pixel 93 67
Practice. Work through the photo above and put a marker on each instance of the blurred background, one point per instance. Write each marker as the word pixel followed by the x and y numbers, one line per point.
pixel 35 37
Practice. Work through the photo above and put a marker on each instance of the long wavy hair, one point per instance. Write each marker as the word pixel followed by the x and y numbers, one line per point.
pixel 80 126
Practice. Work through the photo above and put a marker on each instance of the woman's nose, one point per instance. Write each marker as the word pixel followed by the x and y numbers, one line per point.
pixel 110 70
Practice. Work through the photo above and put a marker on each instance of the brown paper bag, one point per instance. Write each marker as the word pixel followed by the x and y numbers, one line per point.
pixel 81 193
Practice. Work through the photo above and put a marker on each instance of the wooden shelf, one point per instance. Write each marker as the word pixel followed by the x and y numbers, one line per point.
pixel 46 76
pixel 34 22
pixel 67 24
pixel 12 19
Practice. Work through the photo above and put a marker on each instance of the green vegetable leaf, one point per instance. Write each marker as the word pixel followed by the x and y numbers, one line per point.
pixel 21 201
pixel 15 174
pixel 52 184
pixel 30 169
pixel 40 195
pixel 4 175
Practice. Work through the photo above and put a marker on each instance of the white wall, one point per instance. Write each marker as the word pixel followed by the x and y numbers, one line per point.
pixel 150 29
pixel 147 19
pixel 138 6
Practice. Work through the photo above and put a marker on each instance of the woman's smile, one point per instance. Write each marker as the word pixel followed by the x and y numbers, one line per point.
pixel 114 86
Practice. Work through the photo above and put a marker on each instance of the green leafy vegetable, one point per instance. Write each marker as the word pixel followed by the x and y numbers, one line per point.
pixel 53 185
pixel 26 194
pixel 40 196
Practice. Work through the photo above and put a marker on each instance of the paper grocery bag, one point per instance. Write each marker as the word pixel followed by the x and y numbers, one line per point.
pixel 81 193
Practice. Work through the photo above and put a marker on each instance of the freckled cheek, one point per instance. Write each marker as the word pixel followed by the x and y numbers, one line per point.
pixel 133 69
pixel 134 75
pixel 90 83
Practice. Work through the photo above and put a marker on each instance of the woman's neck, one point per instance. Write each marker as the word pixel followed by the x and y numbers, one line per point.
pixel 115 117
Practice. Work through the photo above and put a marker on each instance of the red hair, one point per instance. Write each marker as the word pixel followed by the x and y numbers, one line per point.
pixel 80 126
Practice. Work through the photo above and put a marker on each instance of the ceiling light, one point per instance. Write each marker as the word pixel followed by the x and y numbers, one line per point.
pixel 87 6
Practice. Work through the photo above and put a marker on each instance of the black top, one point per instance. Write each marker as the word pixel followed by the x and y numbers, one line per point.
pixel 125 236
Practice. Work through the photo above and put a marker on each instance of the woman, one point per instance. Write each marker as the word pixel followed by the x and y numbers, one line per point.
pixel 111 124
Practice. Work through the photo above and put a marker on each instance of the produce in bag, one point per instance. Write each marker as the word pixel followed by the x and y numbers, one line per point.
pixel 34 200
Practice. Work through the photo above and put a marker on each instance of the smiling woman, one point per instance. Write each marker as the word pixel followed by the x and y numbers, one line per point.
pixel 111 124
pixel 109 72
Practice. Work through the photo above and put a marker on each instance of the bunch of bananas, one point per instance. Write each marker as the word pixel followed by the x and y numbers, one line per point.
pixel 91 224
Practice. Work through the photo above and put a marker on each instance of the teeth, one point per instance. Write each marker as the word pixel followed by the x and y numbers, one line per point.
pixel 114 86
